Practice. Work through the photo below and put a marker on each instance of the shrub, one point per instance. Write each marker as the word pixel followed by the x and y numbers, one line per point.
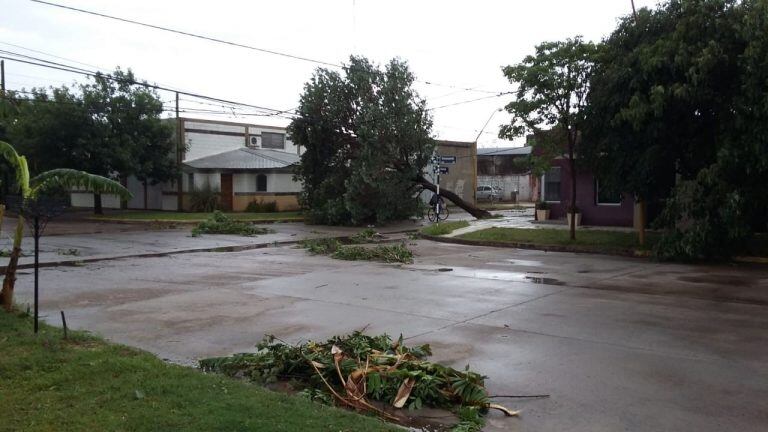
pixel 261 207
pixel 219 223
pixel 204 200
pixel 703 220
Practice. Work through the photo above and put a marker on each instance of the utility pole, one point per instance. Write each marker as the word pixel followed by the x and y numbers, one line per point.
pixel 179 157
pixel 634 11
pixel 2 77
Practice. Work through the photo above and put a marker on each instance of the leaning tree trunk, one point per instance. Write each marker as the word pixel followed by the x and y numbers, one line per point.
pixel 452 197
pixel 9 283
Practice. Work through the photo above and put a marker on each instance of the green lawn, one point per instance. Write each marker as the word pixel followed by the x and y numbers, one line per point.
pixel 443 228
pixel 198 217
pixel 597 239
pixel 86 384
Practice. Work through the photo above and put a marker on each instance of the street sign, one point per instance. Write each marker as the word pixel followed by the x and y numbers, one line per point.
pixel 447 159
pixel 443 170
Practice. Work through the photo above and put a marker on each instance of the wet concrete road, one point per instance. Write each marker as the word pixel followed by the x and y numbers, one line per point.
pixel 619 344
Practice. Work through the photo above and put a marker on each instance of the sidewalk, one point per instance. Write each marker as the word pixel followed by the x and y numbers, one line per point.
pixel 74 249
pixel 525 219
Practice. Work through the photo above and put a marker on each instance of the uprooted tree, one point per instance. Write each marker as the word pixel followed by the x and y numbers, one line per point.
pixel 367 140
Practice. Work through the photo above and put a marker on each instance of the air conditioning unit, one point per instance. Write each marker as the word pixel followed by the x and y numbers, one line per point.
pixel 254 141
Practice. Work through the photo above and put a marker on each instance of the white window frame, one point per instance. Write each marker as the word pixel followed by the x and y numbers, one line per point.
pixel 544 186
pixel 606 204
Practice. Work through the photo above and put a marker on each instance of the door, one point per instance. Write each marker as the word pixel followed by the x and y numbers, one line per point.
pixel 226 192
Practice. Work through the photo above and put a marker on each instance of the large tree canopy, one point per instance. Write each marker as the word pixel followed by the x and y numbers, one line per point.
pixel 367 139
pixel 109 126
pixel 678 109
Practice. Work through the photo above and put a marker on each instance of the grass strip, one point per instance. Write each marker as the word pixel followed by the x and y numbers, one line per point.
pixel 86 384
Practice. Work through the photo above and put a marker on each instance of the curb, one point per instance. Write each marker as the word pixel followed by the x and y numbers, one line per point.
pixel 182 222
pixel 631 253
pixel 77 262
pixel 233 248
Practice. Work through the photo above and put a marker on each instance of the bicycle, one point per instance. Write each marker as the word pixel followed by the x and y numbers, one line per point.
pixel 438 211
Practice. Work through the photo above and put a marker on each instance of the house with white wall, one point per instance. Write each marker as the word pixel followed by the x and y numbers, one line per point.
pixel 241 162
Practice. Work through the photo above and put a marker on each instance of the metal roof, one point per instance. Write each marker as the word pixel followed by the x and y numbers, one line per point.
pixel 245 158
pixel 504 151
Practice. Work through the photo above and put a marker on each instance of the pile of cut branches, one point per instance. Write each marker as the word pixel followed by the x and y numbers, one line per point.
pixel 365 373
pixel 348 249
pixel 219 223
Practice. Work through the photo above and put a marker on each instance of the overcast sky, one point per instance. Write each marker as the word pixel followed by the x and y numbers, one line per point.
pixel 451 43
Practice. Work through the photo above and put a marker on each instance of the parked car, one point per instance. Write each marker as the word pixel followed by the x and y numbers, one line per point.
pixel 490 193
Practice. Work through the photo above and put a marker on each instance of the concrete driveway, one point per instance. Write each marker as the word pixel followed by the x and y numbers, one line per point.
pixel 619 344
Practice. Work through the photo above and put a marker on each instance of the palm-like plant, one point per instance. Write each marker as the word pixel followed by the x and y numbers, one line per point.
pixel 31 189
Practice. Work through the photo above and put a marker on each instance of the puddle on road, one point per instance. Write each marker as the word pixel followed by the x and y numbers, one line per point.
pixel 526 263
pixel 530 277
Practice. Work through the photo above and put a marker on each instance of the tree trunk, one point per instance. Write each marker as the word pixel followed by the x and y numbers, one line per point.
pixel 6 295
pixel 97 208
pixel 144 183
pixel 573 187
pixel 641 223
pixel 452 197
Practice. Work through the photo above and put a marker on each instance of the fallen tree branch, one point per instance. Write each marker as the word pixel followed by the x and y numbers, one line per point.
pixel 478 213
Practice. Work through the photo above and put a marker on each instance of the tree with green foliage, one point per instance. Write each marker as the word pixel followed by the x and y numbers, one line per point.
pixel 550 99
pixel 128 122
pixel 367 139
pixel 677 116
pixel 110 126
pixel 30 189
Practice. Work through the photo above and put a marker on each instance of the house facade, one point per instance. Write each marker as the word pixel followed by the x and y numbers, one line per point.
pixel 243 163
pixel 597 206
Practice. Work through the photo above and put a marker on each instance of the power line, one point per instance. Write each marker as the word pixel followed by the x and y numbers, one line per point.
pixel 469 101
pixel 81 71
pixel 235 44
pixel 52 55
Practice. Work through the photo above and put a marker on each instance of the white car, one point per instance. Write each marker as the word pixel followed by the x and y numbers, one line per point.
pixel 490 193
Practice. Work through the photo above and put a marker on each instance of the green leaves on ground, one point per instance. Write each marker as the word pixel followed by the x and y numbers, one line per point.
pixel 321 246
pixel 352 251
pixel 219 223
pixel 396 253
pixel 356 368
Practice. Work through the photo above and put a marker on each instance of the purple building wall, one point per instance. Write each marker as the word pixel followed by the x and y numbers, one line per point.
pixel 586 200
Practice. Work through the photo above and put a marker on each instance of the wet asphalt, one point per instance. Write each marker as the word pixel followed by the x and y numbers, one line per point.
pixel 618 343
